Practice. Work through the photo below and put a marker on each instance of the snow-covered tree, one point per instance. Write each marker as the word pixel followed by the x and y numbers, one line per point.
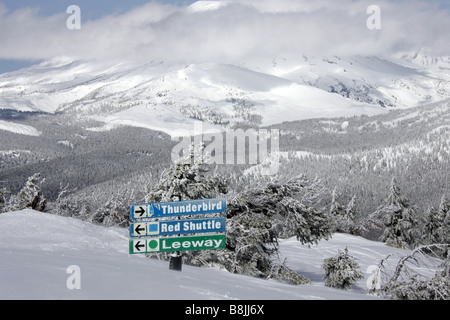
pixel 435 288
pixel 70 204
pixel 187 179
pixel 30 196
pixel 259 216
pixel 436 228
pixel 64 205
pixel 4 195
pixel 336 209
pixel 419 275
pixel 398 219
pixel 341 271
pixel 113 213
pixel 443 215
pixel 344 218
pixel 347 220
pixel 282 273
pixel 251 243
pixel 432 228
pixel 351 218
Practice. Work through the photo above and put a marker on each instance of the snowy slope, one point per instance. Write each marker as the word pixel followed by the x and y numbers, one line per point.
pixel 386 81
pixel 37 248
pixel 19 128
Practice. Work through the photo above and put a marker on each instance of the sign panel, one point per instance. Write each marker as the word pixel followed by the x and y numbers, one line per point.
pixel 178 208
pixel 153 245
pixel 177 227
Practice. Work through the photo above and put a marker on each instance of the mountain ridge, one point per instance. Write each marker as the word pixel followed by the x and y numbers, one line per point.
pixel 284 89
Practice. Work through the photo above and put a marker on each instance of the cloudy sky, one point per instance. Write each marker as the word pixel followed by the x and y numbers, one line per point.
pixel 237 31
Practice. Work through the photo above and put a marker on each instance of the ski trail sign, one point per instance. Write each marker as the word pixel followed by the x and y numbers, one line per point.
pixel 152 245
pixel 178 208
pixel 151 233
pixel 177 227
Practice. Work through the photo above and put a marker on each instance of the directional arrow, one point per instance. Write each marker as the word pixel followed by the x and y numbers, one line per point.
pixel 138 229
pixel 141 211
pixel 138 246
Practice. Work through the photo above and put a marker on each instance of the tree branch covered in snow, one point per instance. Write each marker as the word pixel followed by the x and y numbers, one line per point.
pixel 423 274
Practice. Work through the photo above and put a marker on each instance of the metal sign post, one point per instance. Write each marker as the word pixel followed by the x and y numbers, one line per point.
pixel 176 262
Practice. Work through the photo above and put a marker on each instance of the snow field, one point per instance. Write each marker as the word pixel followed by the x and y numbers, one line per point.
pixel 37 249
pixel 19 128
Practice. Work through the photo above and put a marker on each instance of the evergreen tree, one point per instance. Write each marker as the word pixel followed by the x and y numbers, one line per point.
pixel 336 208
pixel 112 213
pixel 351 218
pixel 64 205
pixel 30 196
pixel 443 215
pixel 85 211
pixel 251 241
pixel 341 271
pixel 398 218
pixel 337 212
pixel 432 228
pixel 187 179
pixel 347 220
pixel 259 216
pixel 3 199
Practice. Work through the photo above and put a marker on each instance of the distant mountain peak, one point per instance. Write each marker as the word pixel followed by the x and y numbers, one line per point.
pixel 426 57
pixel 203 6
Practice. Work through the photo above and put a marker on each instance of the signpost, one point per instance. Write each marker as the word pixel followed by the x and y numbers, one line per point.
pixel 151 234
pixel 174 209
pixel 153 245
pixel 177 227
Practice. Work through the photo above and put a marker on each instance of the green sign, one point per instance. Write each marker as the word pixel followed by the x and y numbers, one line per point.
pixel 153 245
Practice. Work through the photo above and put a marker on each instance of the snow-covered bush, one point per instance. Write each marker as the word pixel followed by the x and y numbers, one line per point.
pixel 282 273
pixel 341 271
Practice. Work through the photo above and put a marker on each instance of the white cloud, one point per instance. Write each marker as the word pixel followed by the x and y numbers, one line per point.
pixel 242 30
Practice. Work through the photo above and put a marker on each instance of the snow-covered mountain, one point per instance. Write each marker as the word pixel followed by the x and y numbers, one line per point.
pixel 164 96
pixel 388 82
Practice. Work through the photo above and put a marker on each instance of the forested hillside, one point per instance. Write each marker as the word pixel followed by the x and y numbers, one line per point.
pixel 358 156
